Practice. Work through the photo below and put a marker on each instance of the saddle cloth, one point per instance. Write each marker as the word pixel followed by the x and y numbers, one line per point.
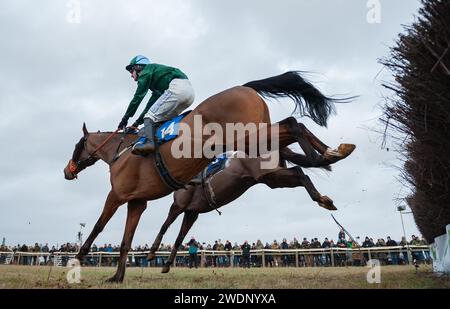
pixel 169 129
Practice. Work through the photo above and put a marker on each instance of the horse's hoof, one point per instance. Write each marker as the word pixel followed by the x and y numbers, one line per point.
pixel 335 155
pixel 114 279
pixel 326 203
pixel 346 149
pixel 165 269
pixel 151 256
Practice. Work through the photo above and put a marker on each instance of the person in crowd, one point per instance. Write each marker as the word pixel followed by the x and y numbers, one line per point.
pixel 381 255
pixel 424 242
pixel 285 258
pixel 45 250
pixel 404 244
pixel 268 257
pixel 393 254
pixel 237 257
pixel 342 257
pixel 245 254
pixel 221 258
pixel 341 234
pixel 327 245
pixel 193 250
pixel 276 258
pixel 258 258
pixel 367 244
pixel 416 253
pixel 305 259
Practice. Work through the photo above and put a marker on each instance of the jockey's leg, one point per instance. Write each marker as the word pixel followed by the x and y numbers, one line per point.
pixel 146 144
pixel 179 96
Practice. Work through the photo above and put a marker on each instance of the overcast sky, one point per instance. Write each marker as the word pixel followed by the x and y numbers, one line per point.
pixel 56 73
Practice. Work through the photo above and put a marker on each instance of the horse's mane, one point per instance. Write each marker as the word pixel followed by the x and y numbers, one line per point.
pixel 110 132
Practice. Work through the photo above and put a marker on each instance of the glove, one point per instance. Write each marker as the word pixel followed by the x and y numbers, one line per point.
pixel 123 123
pixel 131 130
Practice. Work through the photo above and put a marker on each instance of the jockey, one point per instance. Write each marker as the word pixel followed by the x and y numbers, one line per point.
pixel 171 94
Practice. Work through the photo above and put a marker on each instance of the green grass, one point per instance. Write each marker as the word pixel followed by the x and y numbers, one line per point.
pixel 181 278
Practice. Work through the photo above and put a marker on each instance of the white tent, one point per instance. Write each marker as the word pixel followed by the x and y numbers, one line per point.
pixel 440 252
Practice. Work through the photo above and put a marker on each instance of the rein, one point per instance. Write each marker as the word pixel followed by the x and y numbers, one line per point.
pixel 104 143
pixel 74 167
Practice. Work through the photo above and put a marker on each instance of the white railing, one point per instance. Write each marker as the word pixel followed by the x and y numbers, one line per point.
pixel 296 257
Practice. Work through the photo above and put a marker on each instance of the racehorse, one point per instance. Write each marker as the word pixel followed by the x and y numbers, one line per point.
pixel 135 179
pixel 226 185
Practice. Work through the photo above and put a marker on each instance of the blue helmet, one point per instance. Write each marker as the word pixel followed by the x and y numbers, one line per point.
pixel 138 60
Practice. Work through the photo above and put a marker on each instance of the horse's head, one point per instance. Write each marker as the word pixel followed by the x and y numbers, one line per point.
pixel 81 157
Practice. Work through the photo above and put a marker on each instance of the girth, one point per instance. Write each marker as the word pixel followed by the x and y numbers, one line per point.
pixel 164 173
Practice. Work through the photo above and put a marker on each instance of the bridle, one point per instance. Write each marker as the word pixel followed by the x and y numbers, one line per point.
pixel 75 166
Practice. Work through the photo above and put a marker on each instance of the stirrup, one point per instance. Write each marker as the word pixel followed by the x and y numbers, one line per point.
pixel 143 149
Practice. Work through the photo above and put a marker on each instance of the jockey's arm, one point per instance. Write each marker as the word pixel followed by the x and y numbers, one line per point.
pixel 155 96
pixel 139 95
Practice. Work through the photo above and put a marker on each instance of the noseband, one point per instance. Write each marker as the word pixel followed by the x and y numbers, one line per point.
pixel 76 167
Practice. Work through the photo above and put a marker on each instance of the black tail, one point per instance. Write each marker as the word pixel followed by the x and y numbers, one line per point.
pixel 309 101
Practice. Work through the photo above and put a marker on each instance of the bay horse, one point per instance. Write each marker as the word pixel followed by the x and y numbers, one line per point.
pixel 239 175
pixel 135 179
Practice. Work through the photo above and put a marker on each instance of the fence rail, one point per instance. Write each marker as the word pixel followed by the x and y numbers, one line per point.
pixel 261 257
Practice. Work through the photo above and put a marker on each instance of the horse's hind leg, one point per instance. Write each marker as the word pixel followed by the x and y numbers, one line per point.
pixel 111 205
pixel 189 218
pixel 294 177
pixel 181 200
pixel 135 210
pixel 291 131
pixel 330 155
pixel 175 211
pixel 317 153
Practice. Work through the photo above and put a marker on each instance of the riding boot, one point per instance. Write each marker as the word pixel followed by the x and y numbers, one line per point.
pixel 145 145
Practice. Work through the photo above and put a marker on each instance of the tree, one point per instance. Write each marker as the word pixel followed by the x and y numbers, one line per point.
pixel 417 115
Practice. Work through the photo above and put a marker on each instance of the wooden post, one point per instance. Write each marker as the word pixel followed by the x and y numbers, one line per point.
pixel 332 256
pixel 263 258
pixel 202 259
pixel 370 255
pixel 100 259
pixel 296 259
pixel 232 259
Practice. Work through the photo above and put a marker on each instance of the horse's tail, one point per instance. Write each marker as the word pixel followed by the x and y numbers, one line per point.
pixel 309 101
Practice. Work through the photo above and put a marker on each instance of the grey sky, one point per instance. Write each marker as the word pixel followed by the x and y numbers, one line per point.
pixel 55 75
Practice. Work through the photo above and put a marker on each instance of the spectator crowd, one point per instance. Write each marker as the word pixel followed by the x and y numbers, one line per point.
pixel 244 254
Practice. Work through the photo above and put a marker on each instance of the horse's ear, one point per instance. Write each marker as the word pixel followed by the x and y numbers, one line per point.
pixel 85 131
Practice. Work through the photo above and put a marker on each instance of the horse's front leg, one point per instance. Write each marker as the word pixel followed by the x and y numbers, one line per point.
pixel 135 210
pixel 111 205
pixel 294 177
